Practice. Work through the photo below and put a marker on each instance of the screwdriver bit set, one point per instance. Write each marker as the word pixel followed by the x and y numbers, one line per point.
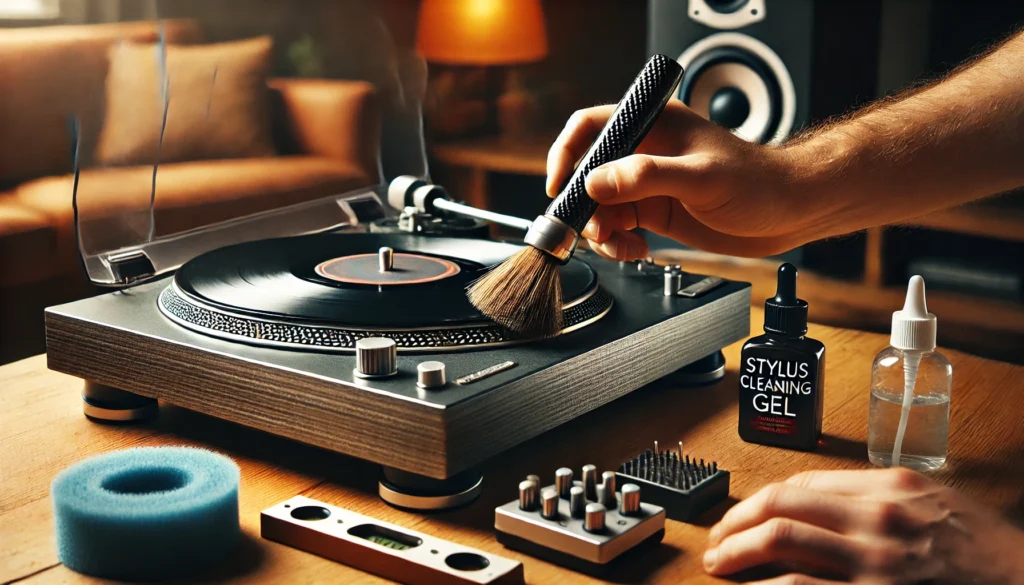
pixel 583 525
pixel 683 486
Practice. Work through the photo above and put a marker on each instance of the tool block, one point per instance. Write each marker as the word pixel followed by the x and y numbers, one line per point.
pixel 685 487
pixel 583 533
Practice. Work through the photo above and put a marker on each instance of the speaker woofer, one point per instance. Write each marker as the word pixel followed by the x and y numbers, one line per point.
pixel 741 84
pixel 726 6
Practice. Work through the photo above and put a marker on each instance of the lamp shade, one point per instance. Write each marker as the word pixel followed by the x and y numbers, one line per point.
pixel 481 32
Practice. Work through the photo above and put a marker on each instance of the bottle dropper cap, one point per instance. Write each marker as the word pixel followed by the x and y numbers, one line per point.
pixel 785 314
pixel 914 327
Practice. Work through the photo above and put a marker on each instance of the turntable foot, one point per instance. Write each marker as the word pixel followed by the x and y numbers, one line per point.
pixel 417 492
pixel 102 403
pixel 707 370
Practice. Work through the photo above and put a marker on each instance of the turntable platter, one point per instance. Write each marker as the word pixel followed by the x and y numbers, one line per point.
pixel 323 291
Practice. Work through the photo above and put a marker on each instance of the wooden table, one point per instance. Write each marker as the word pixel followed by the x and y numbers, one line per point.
pixel 42 431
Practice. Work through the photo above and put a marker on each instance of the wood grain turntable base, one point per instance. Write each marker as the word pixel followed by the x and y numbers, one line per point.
pixel 135 340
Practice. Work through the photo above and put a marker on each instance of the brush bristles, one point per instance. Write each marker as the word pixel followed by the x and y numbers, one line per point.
pixel 523 293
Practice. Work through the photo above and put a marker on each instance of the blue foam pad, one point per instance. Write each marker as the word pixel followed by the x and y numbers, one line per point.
pixel 146 514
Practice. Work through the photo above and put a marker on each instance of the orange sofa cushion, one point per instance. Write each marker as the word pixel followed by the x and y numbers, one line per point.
pixel 188 195
pixel 50 74
pixel 217 107
pixel 27 242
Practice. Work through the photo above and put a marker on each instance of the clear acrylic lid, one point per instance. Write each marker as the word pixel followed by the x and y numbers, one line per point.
pixel 201 126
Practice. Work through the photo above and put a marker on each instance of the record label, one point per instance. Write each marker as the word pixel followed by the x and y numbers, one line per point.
pixel 407 269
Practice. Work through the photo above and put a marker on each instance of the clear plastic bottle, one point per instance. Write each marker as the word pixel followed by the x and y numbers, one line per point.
pixel 911 386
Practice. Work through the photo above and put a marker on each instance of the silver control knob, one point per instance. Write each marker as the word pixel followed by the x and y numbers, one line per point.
pixel 629 503
pixel 376 357
pixel 430 375
pixel 673 281
pixel 594 519
pixel 549 504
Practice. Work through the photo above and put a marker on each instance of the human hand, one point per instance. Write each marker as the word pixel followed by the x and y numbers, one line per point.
pixel 690 180
pixel 878 527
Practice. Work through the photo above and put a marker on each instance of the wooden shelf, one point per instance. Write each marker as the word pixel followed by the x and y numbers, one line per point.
pixel 989 327
pixel 990 221
pixel 496 154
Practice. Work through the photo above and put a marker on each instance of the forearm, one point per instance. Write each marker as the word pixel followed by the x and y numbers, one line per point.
pixel 955 141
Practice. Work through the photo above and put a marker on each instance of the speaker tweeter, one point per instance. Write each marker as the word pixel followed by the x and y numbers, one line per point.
pixel 727 14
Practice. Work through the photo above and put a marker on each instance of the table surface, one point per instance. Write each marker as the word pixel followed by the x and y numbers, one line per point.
pixel 42 431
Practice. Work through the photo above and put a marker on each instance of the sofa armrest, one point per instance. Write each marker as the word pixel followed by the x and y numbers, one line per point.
pixel 337 119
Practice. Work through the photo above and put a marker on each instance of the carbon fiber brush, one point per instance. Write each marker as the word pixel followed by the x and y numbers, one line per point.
pixel 524 292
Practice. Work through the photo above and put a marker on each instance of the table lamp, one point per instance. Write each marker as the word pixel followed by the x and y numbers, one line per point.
pixel 487 33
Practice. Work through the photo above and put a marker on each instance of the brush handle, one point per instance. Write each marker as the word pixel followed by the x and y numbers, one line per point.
pixel 629 123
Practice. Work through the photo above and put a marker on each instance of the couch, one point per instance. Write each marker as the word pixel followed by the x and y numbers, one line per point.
pixel 326 137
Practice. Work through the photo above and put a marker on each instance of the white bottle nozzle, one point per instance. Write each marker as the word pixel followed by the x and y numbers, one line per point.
pixel 914 327
pixel 913 331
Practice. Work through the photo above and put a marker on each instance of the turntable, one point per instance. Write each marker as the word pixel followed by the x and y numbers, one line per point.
pixel 313 323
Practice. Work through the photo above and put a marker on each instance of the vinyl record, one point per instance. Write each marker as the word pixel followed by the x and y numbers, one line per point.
pixel 332 279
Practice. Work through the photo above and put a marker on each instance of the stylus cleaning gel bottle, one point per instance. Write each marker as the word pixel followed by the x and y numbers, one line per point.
pixel 908 424
pixel 782 374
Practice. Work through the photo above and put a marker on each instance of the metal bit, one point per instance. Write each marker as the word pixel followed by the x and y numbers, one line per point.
pixel 594 520
pixel 680 449
pixel 590 482
pixel 601 494
pixel 657 452
pixel 528 495
pixel 549 504
pixel 629 503
pixel 534 478
pixel 563 481
pixel 714 467
pixel 577 502
pixel 609 500
pixel 385 259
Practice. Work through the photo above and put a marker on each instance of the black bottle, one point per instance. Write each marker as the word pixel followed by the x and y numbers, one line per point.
pixel 782 374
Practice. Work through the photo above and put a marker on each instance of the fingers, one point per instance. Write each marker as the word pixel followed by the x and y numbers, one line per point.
pixel 609 219
pixel 861 482
pixel 781 540
pixel 822 509
pixel 641 176
pixel 579 132
pixel 667 217
pixel 795 579
pixel 678 128
pixel 622 245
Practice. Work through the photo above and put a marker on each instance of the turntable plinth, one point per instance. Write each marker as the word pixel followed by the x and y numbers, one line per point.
pixel 124 341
